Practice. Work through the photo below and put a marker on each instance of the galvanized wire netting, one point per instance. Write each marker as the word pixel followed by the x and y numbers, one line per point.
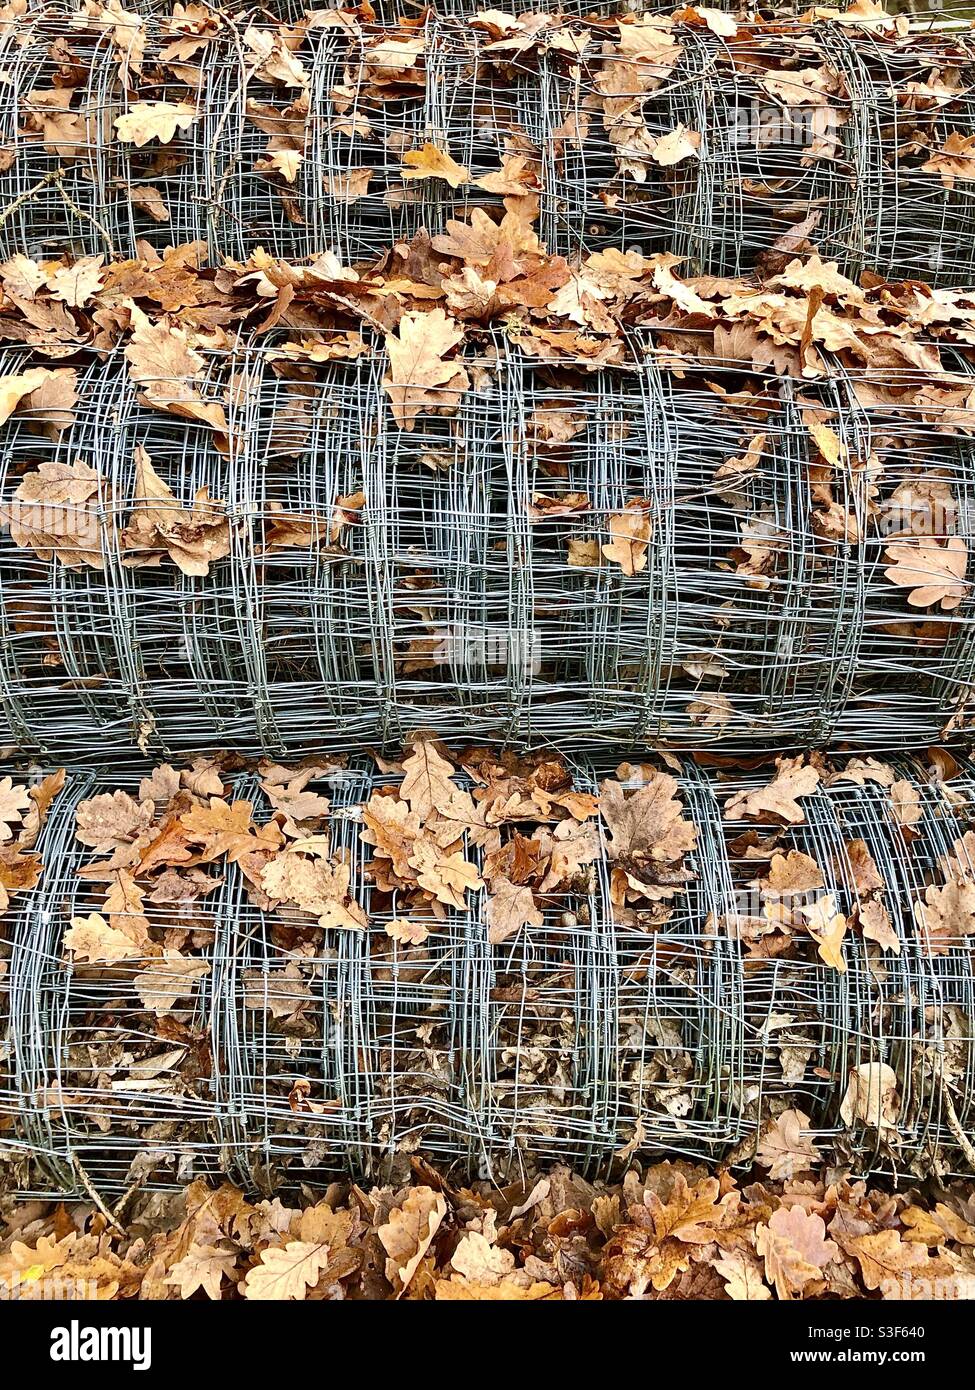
pixel 289 1053
pixel 374 580
pixel 834 129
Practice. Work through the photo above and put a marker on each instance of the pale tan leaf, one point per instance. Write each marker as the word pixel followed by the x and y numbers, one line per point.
pixel 407 1234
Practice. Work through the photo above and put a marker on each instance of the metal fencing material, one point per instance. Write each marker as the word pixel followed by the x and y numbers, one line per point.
pixel 853 136
pixel 285 1053
pixel 372 581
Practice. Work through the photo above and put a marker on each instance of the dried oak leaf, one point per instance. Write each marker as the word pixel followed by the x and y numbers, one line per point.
pixel 508 909
pixel 630 537
pixel 457 1289
pixel 874 922
pixel 448 877
pixel 50 408
pixel 794 1249
pixel 408 1233
pixel 286 1272
pixel 479 1262
pixel 282 992
pixel 16 389
pixel 92 939
pixel 827 927
pixel 192 538
pixel 419 378
pixel 791 874
pixel 314 885
pixel 111 820
pixel 871 1097
pixel 678 144
pixel 75 284
pixel 905 801
pixel 946 916
pixel 407 933
pixel 743 1277
pixel 648 826
pixel 432 163
pixel 56 513
pixel 650 1250
pixel 14 801
pixel 779 799
pixel 428 780
pixel 785 1149
pixel 955 159
pixel 933 570
pixel 154 120
pixel 162 362
pixel 124 905
pixel 169 979
pixel 18 874
pixel 885 1258
pixel 350 185
pixel 391 826
pixel 203 1267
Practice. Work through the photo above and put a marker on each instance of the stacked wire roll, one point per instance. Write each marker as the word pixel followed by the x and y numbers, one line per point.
pixel 454 577
pixel 700 135
pixel 251 1040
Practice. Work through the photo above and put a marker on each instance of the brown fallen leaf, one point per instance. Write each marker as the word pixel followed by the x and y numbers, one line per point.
pixel 779 800
pixel 193 538
pixel 432 163
pixel 14 801
pixel 933 570
pixel 508 908
pixel 286 1272
pixel 630 537
pixel 15 390
pixel 827 927
pixel 75 284
pixel 162 362
pixel 885 1259
pixel 785 1149
pixel 57 511
pixel 170 978
pixel 946 916
pixel 204 1267
pixel 419 377
pixel 871 1097
pixel 408 1233
pixel 794 1249
pixel 92 939
pixel 742 1274
pixel 154 120
pixel 111 820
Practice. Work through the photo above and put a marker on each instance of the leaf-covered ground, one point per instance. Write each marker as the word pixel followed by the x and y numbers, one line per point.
pixel 670 1231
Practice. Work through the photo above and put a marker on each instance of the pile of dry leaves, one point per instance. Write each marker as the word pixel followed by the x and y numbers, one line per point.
pixel 671 1231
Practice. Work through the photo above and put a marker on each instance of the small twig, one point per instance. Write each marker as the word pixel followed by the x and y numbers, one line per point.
pixel 108 1214
pixel 52 176
pixel 85 216
pixel 955 1125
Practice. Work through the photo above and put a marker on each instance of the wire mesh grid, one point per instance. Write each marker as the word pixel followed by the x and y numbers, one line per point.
pixel 279 1052
pixel 852 138
pixel 466 576
pixel 821 134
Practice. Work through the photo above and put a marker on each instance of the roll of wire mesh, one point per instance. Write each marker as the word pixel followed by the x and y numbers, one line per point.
pixel 292 136
pixel 373 581
pixel 249 1040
